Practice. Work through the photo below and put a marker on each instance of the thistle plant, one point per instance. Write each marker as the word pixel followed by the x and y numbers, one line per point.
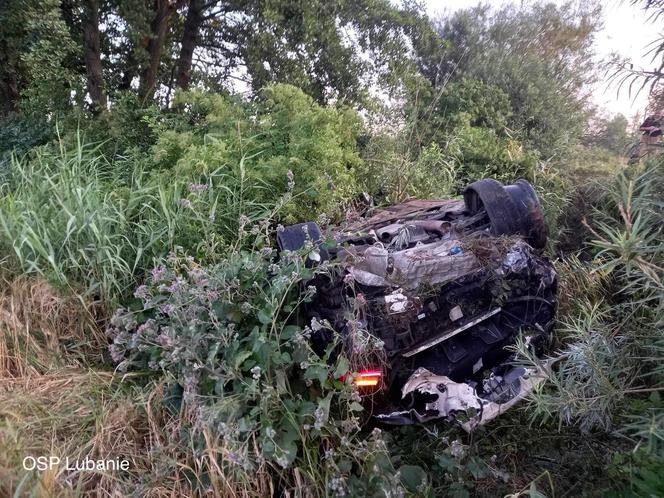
pixel 227 341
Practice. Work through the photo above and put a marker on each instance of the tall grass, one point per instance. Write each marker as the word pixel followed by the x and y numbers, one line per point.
pixel 93 226
pixel 613 336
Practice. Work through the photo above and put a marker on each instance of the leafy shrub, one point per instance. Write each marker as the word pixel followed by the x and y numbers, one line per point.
pixel 18 135
pixel 483 153
pixel 445 139
pixel 436 111
pixel 282 138
pixel 225 338
pixel 391 174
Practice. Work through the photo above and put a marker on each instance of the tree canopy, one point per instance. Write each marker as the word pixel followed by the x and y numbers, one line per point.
pixel 334 50
pixel 540 56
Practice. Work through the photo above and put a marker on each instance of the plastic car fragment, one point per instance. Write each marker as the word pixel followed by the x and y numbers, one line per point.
pixel 449 399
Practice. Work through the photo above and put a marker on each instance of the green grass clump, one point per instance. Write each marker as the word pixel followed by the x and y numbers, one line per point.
pixel 85 224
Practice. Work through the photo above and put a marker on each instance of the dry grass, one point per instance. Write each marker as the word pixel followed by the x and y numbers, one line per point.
pixel 489 250
pixel 68 413
pixel 79 414
pixel 52 405
pixel 40 329
pixel 201 463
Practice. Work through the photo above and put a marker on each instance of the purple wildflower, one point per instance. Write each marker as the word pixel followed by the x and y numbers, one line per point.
pixel 117 353
pixel 141 292
pixel 158 274
pixel 164 340
pixel 197 187
pixel 167 309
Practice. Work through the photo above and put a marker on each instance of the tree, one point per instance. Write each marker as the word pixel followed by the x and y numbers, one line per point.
pixel 36 48
pixel 154 42
pixel 539 55
pixel 610 134
pixel 10 32
pixel 334 49
pixel 190 40
pixel 92 51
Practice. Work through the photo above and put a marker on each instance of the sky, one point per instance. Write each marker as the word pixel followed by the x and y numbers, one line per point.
pixel 626 31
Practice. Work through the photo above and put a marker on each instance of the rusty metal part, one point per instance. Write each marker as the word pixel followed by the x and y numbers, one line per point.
pixel 410 209
pixel 433 226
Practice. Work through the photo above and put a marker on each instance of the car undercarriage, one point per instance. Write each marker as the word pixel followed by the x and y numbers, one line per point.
pixel 447 288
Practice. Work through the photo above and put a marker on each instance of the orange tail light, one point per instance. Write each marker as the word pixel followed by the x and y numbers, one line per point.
pixel 368 378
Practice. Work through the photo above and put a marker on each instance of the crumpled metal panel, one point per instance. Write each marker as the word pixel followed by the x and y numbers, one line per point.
pixel 452 398
pixel 431 264
pixel 409 209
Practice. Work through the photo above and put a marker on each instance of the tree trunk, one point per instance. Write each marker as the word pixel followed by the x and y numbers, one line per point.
pixel 192 26
pixel 158 27
pixel 9 93
pixel 92 51
pixel 130 70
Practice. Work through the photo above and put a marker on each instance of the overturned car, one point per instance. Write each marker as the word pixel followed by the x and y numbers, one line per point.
pixel 446 286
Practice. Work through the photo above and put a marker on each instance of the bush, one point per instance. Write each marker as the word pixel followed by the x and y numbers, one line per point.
pixel 262 402
pixel 483 153
pixel 282 139
pixel 614 344
pixel 391 175
pixel 446 139
pixel 18 135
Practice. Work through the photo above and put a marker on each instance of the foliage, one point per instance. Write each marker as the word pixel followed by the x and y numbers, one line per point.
pixel 613 344
pixel 329 49
pixel 334 50
pixel 622 71
pixel 19 135
pixel 610 134
pixel 223 335
pixel 455 468
pixel 36 47
pixel 165 203
pixel 443 140
pixel 392 175
pixel 483 154
pixel 468 102
pixel 73 217
pixel 539 56
pixel 285 138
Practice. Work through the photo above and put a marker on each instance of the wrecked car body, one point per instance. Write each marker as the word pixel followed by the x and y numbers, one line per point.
pixel 447 287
